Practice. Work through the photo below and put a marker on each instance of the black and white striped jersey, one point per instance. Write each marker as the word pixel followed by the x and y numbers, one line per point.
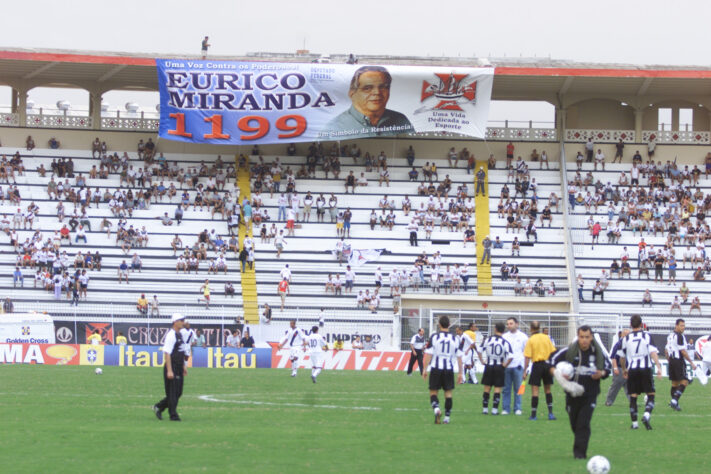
pixel 444 349
pixel 636 348
pixel 676 342
pixel 497 350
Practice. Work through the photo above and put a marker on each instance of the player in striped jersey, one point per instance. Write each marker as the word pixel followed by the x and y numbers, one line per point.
pixel 677 357
pixel 637 354
pixel 499 355
pixel 442 350
pixel 294 339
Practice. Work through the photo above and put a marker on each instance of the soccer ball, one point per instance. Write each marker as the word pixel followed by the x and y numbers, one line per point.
pixel 598 465
pixel 98 371
pixel 566 369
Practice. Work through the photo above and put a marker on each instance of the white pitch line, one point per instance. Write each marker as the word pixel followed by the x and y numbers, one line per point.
pixel 210 398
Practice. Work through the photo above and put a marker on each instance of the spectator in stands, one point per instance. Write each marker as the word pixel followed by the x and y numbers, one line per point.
pixel 283 291
pixel 643 268
pixel 626 268
pixel 232 340
pixel 675 305
pixel 659 268
pixel 695 305
pixel 614 268
pixel 604 282
pixel 651 146
pixel 229 289
pixel 599 159
pixel 699 274
pixel 142 305
pixel 155 306
pixel 589 150
pixel 18 278
pixel 595 233
pixel 7 306
pixel 205 290
pixel 580 282
pixel 598 290
pixel 53 143
pixel 531 230
pixel 136 263
pixel 515 247
pixel 247 341
pixel 123 271
pixel 684 292
pixel 469 236
pixel 486 255
pixel 480 182
pixel 267 313
pixel 647 298
pixel 30 143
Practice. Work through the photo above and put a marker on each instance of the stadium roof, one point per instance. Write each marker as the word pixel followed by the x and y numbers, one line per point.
pixel 516 78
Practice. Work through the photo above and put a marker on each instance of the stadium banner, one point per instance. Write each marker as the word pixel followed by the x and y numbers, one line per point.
pixel 49 354
pixel 248 103
pixel 152 356
pixel 30 328
pixel 379 332
pixel 138 333
pixel 347 359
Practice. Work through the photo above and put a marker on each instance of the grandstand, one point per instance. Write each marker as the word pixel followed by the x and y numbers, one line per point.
pixel 602 102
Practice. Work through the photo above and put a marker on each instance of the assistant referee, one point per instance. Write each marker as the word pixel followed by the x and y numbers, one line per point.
pixel 173 371
pixel 417 346
pixel 538 349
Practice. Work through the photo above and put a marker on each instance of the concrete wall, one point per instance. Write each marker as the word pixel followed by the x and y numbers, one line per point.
pixel 650 120
pixel 602 114
pixel 684 154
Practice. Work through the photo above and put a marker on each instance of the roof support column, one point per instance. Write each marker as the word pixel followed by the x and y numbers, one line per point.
pixel 19 105
pixel 560 121
pixel 95 109
pixel 638 115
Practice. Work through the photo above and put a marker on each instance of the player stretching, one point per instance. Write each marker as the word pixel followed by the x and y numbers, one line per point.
pixel 442 349
pixel 498 356
pixel 294 338
pixel 636 351
pixel 677 356
pixel 315 344
pixel 538 349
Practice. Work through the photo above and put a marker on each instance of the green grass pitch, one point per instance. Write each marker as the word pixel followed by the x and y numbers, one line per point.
pixel 67 419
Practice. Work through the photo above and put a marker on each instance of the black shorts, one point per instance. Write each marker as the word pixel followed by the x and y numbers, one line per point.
pixel 494 375
pixel 677 370
pixel 441 379
pixel 540 372
pixel 640 381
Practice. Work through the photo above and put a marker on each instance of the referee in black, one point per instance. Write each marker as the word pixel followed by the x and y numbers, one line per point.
pixel 417 346
pixel 591 365
pixel 173 371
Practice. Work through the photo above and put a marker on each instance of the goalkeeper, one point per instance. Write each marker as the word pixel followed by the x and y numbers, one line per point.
pixel 582 386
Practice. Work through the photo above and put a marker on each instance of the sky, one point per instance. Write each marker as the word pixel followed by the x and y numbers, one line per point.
pixel 622 31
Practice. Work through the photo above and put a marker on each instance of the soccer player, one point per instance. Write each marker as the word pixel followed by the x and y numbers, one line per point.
pixel 315 344
pixel 417 345
pixel 498 356
pixel 637 353
pixel 294 339
pixel 441 351
pixel 469 349
pixel 677 356
pixel 591 365
pixel 538 349
pixel 94 339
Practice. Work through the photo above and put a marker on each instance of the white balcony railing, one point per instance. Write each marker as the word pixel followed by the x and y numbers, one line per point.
pixel 116 123
pixel 9 120
pixel 58 121
pixel 599 135
pixel 680 137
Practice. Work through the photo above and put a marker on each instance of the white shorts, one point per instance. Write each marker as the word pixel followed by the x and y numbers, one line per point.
pixel 295 353
pixel 316 360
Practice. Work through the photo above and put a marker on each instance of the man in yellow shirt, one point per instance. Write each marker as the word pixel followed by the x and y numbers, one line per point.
pixel 121 339
pixel 142 305
pixel 94 339
pixel 538 350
